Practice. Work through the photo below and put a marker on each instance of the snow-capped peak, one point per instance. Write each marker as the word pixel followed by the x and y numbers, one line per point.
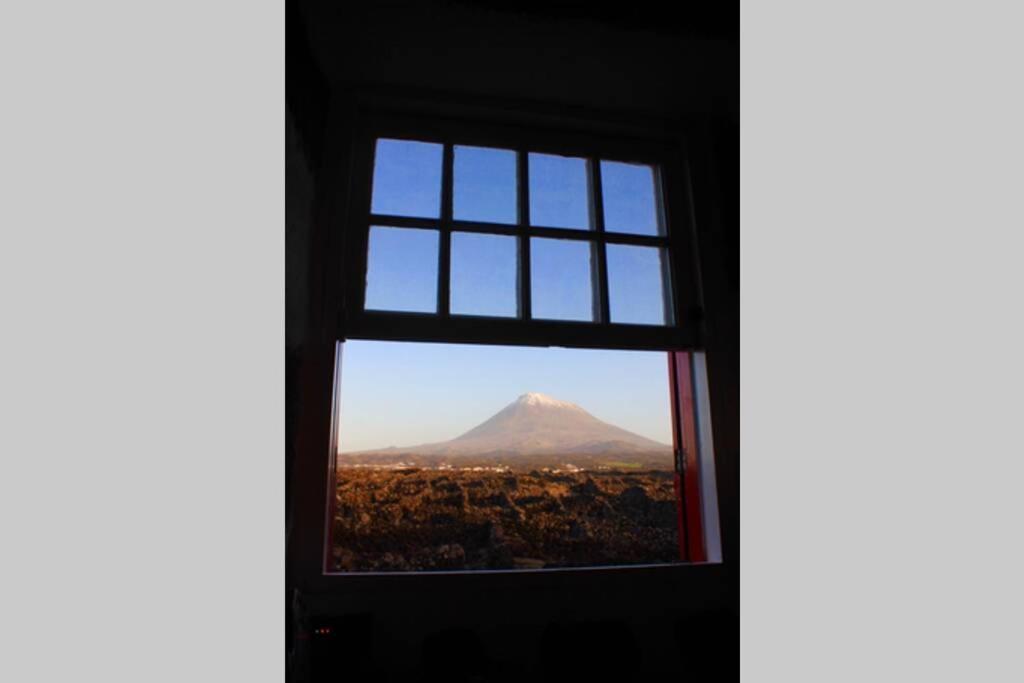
pixel 534 398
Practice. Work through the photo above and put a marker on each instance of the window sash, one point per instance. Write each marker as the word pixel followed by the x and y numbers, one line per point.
pixel 679 273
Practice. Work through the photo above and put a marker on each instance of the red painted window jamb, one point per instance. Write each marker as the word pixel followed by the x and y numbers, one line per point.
pixel 684 446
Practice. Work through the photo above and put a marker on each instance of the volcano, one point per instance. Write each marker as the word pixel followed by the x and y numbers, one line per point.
pixel 533 425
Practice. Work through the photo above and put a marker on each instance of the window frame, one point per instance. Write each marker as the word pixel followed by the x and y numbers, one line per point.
pixel 680 277
pixel 353 123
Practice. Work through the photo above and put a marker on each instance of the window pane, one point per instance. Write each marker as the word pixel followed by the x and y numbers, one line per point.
pixel 484 275
pixel 635 291
pixel 629 199
pixel 485 185
pixel 401 271
pixel 407 179
pixel 558 192
pixel 560 284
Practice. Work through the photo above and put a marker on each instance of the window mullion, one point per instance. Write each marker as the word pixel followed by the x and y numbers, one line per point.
pixel 444 250
pixel 523 198
pixel 599 279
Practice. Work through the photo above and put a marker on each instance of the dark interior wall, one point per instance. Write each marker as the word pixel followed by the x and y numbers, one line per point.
pixel 721 275
pixel 679 71
pixel 572 59
pixel 298 215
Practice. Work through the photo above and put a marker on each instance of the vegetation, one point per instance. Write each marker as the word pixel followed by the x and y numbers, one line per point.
pixel 431 519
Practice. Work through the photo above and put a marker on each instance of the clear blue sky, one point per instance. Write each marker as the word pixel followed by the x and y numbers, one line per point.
pixel 404 393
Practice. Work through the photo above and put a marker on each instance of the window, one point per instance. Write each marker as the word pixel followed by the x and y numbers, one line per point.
pixel 466 233
pixel 580 250
pixel 476 241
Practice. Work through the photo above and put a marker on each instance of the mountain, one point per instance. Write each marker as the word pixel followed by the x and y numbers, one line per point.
pixel 536 424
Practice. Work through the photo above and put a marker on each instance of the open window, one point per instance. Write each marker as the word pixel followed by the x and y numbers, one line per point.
pixel 467 248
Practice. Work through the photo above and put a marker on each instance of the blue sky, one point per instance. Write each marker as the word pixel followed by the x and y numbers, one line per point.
pixel 628 192
pixel 405 393
pixel 485 185
pixel 407 179
pixel 483 276
pixel 560 279
pixel 558 192
pixel 634 284
pixel 402 269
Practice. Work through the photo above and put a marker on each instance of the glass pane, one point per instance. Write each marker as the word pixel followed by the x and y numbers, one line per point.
pixel 485 185
pixel 560 284
pixel 635 291
pixel 401 271
pixel 484 275
pixel 629 199
pixel 407 179
pixel 558 192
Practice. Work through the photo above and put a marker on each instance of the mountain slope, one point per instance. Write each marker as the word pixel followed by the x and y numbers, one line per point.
pixel 536 424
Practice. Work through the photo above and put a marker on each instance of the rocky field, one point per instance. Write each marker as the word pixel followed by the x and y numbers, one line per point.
pixel 428 519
